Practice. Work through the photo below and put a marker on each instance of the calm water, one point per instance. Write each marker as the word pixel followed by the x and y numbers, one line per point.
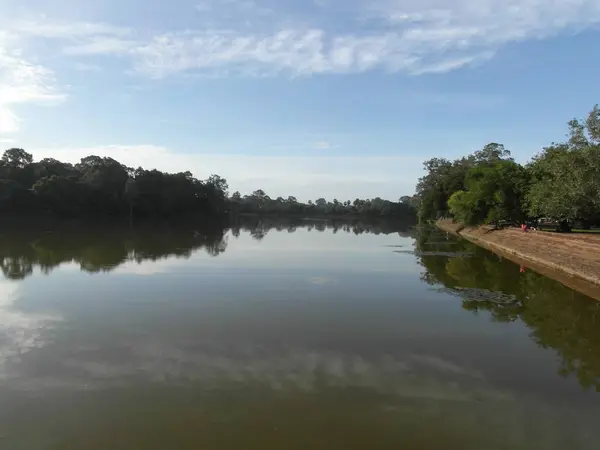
pixel 280 336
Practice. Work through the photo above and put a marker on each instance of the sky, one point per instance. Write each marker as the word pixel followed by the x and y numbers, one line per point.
pixel 312 98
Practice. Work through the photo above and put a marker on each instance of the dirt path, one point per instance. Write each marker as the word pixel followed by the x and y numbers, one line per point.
pixel 573 259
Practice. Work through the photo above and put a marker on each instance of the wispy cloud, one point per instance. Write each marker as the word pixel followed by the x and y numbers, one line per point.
pixel 21 81
pixel 434 37
pixel 396 35
pixel 266 38
pixel 296 52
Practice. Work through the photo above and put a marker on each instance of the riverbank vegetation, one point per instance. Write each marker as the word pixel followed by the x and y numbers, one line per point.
pixel 561 184
pixel 103 186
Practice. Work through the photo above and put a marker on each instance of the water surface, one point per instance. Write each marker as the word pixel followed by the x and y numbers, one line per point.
pixel 288 336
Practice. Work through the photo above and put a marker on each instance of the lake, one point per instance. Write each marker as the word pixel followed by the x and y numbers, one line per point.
pixel 288 335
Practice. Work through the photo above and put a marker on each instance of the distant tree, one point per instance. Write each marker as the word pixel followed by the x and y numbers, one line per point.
pixel 17 158
pixel 219 183
pixel 491 154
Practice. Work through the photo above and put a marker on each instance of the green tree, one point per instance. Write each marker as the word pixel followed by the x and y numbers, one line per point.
pixel 261 198
pixel 16 165
pixel 17 158
pixel 219 184
pixel 50 166
pixel 106 179
pixel 566 177
pixel 491 154
pixel 464 208
pixel 444 178
pixel 64 196
pixel 494 192
pixel 14 198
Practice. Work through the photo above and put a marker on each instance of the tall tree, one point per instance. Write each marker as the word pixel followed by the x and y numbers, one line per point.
pixel 17 158
pixel 566 177
pixel 493 193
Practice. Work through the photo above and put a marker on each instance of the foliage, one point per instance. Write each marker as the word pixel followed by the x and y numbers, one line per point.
pixel 103 186
pixel 63 195
pixel 445 178
pixel 561 183
pixel 566 177
pixel 14 198
pixel 16 158
pixel 494 192
pixel 260 203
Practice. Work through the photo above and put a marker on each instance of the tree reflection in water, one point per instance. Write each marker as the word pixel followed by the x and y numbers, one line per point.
pixel 102 249
pixel 558 317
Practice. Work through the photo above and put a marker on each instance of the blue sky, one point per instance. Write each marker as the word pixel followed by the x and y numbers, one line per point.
pixel 312 98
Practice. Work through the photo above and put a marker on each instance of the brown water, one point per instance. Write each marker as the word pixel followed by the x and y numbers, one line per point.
pixel 283 336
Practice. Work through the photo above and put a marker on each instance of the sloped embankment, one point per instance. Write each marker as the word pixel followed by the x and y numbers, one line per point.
pixel 569 258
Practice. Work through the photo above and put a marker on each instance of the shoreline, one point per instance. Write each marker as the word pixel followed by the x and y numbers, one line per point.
pixel 571 259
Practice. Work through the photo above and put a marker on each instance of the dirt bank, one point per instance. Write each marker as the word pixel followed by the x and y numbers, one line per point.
pixel 572 259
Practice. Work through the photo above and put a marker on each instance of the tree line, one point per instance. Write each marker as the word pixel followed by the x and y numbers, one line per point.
pixel 104 186
pixel 260 202
pixel 561 183
pixel 101 185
